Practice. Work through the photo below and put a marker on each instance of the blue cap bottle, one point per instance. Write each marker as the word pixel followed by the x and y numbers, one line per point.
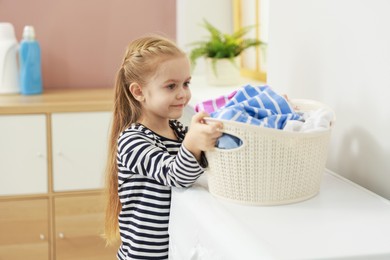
pixel 30 63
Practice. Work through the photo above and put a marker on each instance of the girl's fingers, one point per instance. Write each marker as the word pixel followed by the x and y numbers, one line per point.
pixel 215 126
pixel 198 117
pixel 209 132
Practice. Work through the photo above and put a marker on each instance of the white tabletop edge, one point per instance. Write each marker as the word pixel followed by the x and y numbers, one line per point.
pixel 338 176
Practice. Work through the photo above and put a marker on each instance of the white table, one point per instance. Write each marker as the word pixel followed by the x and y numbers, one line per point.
pixel 344 221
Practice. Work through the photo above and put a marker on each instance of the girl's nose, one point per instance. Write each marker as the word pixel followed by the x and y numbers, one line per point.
pixel 182 93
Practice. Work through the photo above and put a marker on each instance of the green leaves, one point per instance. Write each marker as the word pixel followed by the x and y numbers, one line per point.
pixel 220 45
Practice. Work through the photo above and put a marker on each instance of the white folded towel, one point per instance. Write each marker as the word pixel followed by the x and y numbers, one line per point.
pixel 316 120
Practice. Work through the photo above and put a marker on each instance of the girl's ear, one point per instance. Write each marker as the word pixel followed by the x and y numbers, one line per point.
pixel 136 91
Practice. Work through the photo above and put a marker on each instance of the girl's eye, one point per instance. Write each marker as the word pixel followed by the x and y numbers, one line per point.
pixel 187 84
pixel 171 86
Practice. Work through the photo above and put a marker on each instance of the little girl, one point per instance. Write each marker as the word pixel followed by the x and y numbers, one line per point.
pixel 149 150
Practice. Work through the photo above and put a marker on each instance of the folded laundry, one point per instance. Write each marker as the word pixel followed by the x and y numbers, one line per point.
pixel 258 105
pixel 227 141
pixel 315 120
pixel 262 106
pixel 211 105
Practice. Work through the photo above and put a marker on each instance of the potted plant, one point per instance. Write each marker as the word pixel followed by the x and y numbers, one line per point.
pixel 222 52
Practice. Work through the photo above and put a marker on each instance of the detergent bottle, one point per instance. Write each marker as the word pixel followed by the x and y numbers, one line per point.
pixel 9 72
pixel 30 63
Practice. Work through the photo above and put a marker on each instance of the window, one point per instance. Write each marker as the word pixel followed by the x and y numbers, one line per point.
pixel 253 12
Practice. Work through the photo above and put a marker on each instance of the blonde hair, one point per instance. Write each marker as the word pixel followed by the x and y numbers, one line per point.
pixel 140 62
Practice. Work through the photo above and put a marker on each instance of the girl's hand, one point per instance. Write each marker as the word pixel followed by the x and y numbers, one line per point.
pixel 288 100
pixel 202 136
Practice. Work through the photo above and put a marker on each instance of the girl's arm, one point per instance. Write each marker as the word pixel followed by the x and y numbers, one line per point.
pixel 139 155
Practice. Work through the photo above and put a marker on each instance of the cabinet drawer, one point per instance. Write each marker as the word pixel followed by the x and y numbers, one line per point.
pixel 23 154
pixel 24 229
pixel 79 150
pixel 79 223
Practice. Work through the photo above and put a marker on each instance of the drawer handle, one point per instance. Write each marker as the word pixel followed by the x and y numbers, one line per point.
pixel 61 235
pixel 42 237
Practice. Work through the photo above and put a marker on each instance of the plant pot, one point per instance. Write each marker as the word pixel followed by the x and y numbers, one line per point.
pixel 225 72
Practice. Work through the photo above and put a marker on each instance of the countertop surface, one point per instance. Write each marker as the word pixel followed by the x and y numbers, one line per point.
pixel 96 99
pixel 58 100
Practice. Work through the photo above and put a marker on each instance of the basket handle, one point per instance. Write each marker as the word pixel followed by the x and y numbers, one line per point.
pixel 227 133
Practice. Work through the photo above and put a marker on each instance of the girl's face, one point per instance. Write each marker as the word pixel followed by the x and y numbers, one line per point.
pixel 167 91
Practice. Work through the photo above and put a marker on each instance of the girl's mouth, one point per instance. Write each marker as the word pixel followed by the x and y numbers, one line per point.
pixel 178 106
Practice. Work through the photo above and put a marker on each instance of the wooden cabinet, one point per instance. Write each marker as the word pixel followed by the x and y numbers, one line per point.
pixel 53 151
pixel 79 150
pixel 24 229
pixel 23 154
pixel 78 229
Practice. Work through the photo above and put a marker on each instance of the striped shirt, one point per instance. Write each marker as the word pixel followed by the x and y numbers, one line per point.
pixel 148 166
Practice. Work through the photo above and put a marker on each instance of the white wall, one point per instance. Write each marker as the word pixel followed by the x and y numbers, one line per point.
pixel 338 52
pixel 189 17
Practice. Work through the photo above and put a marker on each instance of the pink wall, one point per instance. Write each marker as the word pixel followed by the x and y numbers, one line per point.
pixel 83 41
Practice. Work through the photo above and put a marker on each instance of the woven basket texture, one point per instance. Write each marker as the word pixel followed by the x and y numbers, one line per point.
pixel 272 166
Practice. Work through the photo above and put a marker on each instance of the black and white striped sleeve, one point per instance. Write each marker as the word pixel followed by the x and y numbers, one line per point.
pixel 139 155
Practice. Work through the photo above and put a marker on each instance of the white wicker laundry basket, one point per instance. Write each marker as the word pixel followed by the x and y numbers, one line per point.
pixel 272 166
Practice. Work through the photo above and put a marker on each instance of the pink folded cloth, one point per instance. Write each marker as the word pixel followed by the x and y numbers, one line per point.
pixel 212 105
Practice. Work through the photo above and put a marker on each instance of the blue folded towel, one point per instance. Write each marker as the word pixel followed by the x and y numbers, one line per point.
pixel 258 106
pixel 254 105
